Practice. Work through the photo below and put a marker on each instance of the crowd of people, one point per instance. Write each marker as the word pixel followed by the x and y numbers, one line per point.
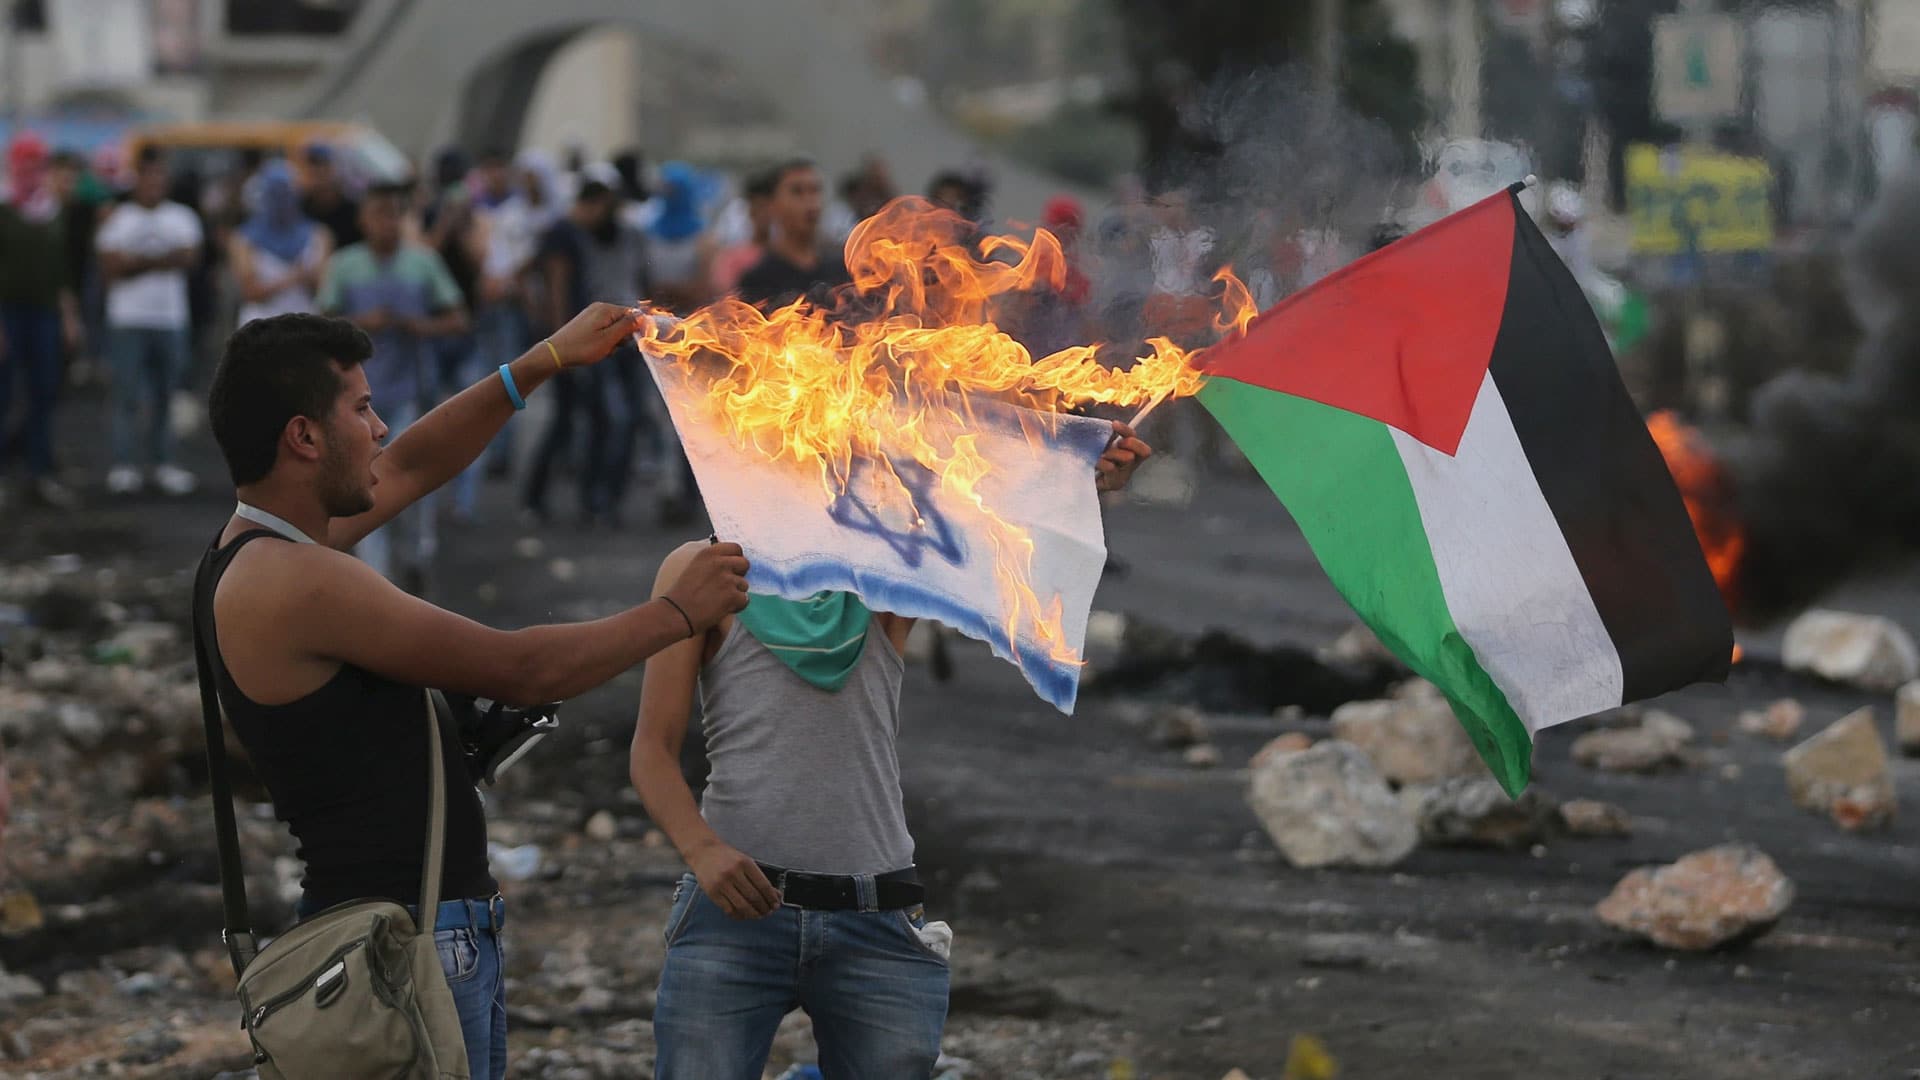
pixel 131 274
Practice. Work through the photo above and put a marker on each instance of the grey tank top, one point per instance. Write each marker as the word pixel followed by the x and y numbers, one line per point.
pixel 802 778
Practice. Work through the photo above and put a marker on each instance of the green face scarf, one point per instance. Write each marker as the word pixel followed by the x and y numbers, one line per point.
pixel 820 638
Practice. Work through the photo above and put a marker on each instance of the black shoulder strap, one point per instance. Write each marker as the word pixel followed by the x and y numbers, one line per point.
pixel 238 929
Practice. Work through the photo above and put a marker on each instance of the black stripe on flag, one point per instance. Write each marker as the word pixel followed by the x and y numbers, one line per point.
pixel 1604 478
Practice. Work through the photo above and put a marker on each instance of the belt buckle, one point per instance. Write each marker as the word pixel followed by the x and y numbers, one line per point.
pixel 780 886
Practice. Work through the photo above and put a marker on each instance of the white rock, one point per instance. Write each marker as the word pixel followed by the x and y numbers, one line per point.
pixel 49 674
pixel 82 724
pixel 15 988
pixel 1413 738
pixel 1657 742
pixel 1328 806
pixel 1906 719
pixel 1106 630
pixel 1591 817
pixel 1202 756
pixel 1780 721
pixel 1866 651
pixel 1476 812
pixel 1843 772
pixel 602 826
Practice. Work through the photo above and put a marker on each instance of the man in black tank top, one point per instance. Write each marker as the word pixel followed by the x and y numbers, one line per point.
pixel 319 661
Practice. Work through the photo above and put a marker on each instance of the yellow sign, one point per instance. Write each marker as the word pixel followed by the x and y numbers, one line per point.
pixel 1686 200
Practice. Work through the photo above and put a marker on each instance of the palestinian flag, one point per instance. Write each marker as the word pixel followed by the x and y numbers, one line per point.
pixel 1444 421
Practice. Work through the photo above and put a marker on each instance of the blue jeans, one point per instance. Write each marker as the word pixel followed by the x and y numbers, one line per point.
pixel 145 366
pixel 877 996
pixel 32 357
pixel 475 964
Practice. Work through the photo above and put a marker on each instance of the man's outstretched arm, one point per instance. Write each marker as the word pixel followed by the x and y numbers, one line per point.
pixel 447 440
pixel 341 610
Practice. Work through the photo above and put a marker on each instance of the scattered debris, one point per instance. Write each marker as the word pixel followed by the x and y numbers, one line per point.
pixel 1843 772
pixel 1358 645
pixel 1219 672
pixel 1413 738
pixel 1291 743
pixel 602 826
pixel 1906 719
pixel 1867 651
pixel 1177 727
pixel 514 863
pixel 1475 812
pixel 1591 817
pixel 1779 721
pixel 1721 896
pixel 1202 756
pixel 1328 806
pixel 1659 741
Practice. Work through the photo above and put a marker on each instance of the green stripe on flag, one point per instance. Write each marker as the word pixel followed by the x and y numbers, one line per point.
pixel 1339 474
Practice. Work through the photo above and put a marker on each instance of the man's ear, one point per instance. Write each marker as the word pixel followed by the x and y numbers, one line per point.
pixel 304 439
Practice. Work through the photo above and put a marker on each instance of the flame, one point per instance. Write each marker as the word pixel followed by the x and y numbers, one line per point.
pixel 1708 493
pixel 891 364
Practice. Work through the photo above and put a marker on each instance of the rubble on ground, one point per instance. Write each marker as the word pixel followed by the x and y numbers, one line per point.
pixel 1413 737
pixel 1329 806
pixel 1591 817
pixel 1219 672
pixel 1288 743
pixel 1476 812
pixel 1721 896
pixel 1779 721
pixel 1844 772
pixel 1906 719
pixel 1866 651
pixel 1657 741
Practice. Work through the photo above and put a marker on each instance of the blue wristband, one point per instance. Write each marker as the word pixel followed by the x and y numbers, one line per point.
pixel 513 392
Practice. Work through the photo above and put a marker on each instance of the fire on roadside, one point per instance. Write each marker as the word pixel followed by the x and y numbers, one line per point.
pixel 1707 491
pixel 881 370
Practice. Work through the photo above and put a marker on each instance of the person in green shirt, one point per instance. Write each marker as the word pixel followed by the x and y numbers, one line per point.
pixel 39 316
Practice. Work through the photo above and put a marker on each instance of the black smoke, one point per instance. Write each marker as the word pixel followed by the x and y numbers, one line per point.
pixel 1828 480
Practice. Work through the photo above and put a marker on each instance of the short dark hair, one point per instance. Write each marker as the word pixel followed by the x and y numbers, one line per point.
pixel 593 191
pixel 791 165
pixel 273 370
pixel 149 155
pixel 761 184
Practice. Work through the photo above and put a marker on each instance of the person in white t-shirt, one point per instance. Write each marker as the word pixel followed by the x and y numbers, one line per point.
pixel 146 246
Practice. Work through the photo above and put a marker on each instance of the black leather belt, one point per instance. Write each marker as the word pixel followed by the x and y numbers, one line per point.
pixel 842 892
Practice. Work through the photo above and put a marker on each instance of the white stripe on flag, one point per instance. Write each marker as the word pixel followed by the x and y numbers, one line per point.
pixel 1509 579
pixel 942 566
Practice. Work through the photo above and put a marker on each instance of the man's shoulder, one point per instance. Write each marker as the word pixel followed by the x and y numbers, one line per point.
pixel 278 570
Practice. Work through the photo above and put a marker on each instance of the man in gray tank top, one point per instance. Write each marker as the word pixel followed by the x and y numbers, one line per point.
pixel 802 892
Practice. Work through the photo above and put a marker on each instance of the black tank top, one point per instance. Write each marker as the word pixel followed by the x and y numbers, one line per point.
pixel 346 767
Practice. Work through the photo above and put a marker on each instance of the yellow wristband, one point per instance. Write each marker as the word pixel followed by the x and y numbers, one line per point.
pixel 557 365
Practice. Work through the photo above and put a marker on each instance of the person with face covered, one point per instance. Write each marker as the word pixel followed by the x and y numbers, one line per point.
pixel 320 662
pixel 37 310
pixel 280 254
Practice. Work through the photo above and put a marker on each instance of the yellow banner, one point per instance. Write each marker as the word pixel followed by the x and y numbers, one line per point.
pixel 1686 200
